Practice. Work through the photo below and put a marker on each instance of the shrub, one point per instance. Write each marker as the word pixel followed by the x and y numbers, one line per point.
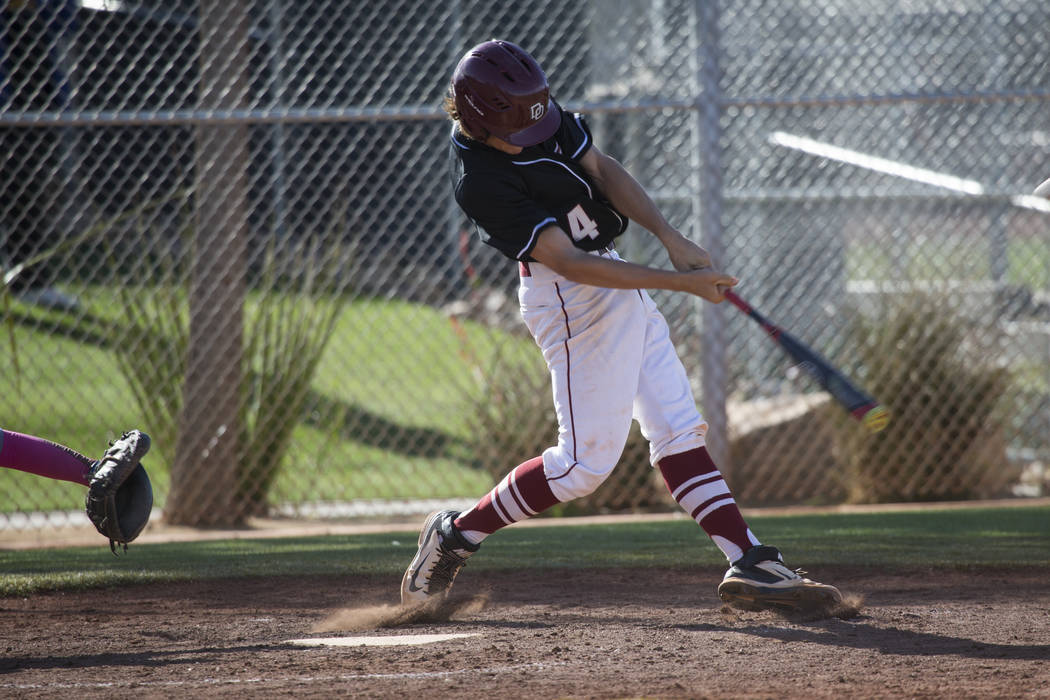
pixel 945 438
pixel 287 330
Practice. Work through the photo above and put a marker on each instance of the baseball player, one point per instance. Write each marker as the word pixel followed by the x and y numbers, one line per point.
pixel 529 175
pixel 120 497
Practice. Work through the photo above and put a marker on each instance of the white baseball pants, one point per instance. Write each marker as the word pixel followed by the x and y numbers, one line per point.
pixel 611 359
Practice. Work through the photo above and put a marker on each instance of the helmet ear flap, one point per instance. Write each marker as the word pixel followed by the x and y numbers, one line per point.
pixel 474 130
pixel 470 126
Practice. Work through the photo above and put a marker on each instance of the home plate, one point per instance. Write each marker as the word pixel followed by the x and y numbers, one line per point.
pixel 389 641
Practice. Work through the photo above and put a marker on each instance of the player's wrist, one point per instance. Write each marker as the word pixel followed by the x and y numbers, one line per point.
pixel 667 234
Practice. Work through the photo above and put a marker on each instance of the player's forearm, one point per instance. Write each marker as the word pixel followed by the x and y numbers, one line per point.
pixel 554 249
pixel 630 198
pixel 616 274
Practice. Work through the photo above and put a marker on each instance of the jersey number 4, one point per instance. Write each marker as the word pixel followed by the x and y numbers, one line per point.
pixel 580 225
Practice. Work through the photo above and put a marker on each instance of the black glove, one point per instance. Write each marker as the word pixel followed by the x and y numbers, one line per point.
pixel 120 497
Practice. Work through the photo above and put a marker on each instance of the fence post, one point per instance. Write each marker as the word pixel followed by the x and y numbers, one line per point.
pixel 714 366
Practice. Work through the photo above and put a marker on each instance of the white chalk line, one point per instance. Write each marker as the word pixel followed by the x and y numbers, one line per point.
pixel 205 682
pixel 387 641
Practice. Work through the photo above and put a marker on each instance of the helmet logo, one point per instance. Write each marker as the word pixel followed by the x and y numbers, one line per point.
pixel 470 101
pixel 536 111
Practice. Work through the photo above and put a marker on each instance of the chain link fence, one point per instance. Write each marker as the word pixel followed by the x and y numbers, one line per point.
pixel 230 224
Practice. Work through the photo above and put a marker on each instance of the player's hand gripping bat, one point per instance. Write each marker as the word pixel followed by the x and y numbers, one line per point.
pixel 859 404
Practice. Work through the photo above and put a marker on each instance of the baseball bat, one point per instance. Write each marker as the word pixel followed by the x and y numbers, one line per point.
pixel 860 405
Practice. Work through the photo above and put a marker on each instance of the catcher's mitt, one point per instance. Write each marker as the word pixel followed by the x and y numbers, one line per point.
pixel 120 497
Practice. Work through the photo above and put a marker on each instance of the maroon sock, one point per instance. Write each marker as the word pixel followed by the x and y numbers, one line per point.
pixel 695 482
pixel 39 456
pixel 521 494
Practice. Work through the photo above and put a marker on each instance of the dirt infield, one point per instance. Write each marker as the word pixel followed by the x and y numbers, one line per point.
pixel 591 633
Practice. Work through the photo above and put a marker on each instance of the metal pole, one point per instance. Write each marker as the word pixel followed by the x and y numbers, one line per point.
pixel 453 217
pixel 998 243
pixel 714 365
pixel 277 141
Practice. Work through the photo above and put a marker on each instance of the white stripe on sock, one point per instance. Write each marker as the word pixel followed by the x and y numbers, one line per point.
pixel 498 507
pixel 686 484
pixel 473 536
pixel 732 551
pixel 529 512
pixel 701 494
pixel 713 507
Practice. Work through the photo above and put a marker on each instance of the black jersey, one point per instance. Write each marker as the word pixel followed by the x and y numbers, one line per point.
pixel 511 198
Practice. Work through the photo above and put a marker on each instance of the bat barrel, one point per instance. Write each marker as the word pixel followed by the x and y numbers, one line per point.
pixel 860 405
pixel 874 417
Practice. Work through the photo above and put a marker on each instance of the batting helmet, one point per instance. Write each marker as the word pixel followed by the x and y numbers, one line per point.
pixel 500 90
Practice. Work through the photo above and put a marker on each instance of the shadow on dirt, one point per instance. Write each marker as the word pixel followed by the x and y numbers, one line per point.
pixel 138 659
pixel 891 641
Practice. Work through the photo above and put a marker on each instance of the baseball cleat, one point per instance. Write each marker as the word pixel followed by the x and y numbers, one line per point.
pixel 760 581
pixel 442 553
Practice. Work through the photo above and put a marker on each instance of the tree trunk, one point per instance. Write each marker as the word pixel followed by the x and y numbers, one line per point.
pixel 204 472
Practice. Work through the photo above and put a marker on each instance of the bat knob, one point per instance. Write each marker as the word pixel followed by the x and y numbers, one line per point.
pixel 876 419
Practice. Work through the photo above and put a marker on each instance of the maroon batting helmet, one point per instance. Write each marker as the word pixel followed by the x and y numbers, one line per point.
pixel 500 90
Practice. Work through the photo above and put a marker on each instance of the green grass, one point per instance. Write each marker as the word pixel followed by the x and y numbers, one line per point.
pixel 967 538
pixel 950 258
pixel 397 381
pixel 1029 263
pixel 72 393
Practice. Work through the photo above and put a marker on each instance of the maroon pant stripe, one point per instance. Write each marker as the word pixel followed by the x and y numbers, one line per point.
pixel 568 375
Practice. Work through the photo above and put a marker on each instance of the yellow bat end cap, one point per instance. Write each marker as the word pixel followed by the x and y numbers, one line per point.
pixel 876 419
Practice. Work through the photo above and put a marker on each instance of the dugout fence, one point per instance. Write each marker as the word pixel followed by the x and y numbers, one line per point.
pixel 229 224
